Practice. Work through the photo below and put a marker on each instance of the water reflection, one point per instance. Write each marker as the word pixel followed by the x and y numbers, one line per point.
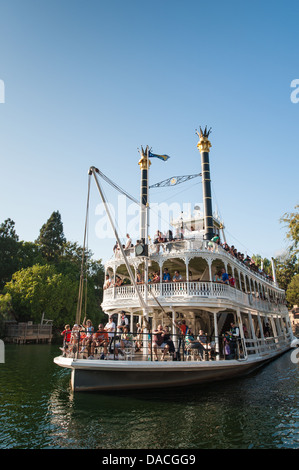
pixel 39 410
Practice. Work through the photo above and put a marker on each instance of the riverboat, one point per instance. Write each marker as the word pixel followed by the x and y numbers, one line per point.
pixel 236 316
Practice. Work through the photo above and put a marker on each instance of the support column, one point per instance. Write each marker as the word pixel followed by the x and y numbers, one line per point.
pixel 187 273
pixel 239 317
pixel 252 331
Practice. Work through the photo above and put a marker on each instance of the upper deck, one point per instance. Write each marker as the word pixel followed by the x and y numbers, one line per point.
pixel 198 262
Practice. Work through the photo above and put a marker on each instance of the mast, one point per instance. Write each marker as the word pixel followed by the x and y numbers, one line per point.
pixel 204 147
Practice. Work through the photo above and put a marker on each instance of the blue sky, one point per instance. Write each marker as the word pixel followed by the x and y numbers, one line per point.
pixel 88 82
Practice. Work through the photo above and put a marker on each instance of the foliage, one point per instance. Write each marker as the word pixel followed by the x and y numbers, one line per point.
pixel 51 238
pixel 15 254
pixel 293 291
pixel 40 289
pixel 258 260
pixel 5 310
pixel 286 268
pixel 43 277
pixel 9 247
pixel 292 221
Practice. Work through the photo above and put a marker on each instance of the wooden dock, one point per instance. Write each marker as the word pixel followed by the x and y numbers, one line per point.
pixel 22 333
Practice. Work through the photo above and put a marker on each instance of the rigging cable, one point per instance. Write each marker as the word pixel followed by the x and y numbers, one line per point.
pixel 81 283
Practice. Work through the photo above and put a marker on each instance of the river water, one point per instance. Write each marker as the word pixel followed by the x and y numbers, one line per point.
pixel 38 410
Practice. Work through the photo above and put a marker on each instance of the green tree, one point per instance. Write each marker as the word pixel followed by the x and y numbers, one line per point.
pixel 286 268
pixel 6 312
pixel 40 289
pixel 291 219
pixel 293 291
pixel 266 263
pixel 51 239
pixel 9 247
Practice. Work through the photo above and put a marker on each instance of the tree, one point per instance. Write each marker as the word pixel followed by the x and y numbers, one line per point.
pixel 293 291
pixel 9 247
pixel 292 221
pixel 286 268
pixel 40 289
pixel 6 312
pixel 51 238
pixel 258 260
pixel 7 230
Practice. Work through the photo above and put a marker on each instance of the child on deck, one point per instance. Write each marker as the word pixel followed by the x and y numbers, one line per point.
pixel 67 332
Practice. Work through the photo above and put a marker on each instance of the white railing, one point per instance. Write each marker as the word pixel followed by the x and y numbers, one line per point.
pixel 211 290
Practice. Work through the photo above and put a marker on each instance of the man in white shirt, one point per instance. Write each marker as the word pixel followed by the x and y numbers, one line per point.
pixel 107 282
pixel 128 243
pixel 110 327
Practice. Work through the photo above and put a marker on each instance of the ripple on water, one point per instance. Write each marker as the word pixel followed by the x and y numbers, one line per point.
pixel 38 410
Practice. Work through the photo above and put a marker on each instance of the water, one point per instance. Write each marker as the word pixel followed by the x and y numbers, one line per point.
pixel 39 411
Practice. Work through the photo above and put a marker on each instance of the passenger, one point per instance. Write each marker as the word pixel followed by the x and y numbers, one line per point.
pixel 166 276
pixel 235 334
pixel 124 322
pixel 203 339
pixel 224 277
pixel 126 340
pixel 110 327
pixel 158 342
pixel 107 282
pixel 267 332
pixel 100 340
pixel 227 351
pixel 156 277
pixel 213 243
pixel 169 236
pixel 138 342
pixel 245 331
pixel 177 277
pixel 88 337
pixel 217 277
pixel 67 333
pixel 75 338
pixel 115 247
pixel 118 281
pixel 192 343
pixel 128 244
pixel 231 280
pixel 169 342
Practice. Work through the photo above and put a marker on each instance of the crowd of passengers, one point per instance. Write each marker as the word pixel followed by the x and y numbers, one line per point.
pixel 163 238
pixel 221 277
pixel 116 340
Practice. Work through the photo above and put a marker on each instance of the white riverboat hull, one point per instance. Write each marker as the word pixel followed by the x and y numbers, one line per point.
pixel 96 375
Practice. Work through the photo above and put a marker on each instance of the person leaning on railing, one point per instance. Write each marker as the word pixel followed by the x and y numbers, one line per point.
pixel 192 343
pixel 159 343
pixel 100 340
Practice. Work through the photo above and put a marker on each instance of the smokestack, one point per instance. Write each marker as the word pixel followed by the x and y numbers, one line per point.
pixel 204 147
pixel 144 164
